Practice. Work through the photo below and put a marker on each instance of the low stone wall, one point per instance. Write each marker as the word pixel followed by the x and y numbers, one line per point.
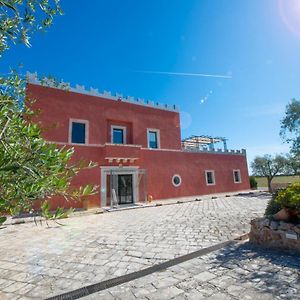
pixel 275 234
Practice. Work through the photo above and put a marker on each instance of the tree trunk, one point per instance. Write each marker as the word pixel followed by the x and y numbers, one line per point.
pixel 269 184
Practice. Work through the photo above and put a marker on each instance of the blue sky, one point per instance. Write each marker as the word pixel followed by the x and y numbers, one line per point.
pixel 257 43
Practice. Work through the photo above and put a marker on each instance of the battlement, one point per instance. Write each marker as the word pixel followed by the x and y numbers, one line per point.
pixel 32 78
pixel 216 151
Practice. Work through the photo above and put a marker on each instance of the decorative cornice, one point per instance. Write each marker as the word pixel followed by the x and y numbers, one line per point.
pixel 32 78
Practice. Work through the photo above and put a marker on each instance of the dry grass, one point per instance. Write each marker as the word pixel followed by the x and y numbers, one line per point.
pixel 262 181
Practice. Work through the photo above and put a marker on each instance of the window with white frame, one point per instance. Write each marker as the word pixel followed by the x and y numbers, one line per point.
pixel 78 131
pixel 176 180
pixel 118 134
pixel 237 176
pixel 153 137
pixel 210 177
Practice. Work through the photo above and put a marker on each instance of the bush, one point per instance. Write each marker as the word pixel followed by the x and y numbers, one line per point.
pixel 289 197
pixel 273 206
pixel 253 182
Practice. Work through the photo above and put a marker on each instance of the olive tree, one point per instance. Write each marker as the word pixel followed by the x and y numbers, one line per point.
pixel 19 19
pixel 290 126
pixel 269 167
pixel 293 164
pixel 30 168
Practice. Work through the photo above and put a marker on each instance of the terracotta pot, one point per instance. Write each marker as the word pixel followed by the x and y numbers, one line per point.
pixel 283 215
pixel 287 214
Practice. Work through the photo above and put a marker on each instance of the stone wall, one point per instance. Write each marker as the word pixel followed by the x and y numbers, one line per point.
pixel 275 234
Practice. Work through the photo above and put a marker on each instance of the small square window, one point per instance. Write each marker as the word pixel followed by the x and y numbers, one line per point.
pixel 237 176
pixel 78 133
pixel 210 177
pixel 118 135
pixel 153 139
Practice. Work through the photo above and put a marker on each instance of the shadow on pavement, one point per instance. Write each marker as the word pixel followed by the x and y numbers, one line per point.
pixel 263 270
pixel 261 195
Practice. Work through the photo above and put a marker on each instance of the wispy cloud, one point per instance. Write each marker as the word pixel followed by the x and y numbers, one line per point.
pixel 185 74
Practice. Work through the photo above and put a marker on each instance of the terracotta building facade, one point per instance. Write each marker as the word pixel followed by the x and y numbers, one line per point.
pixel 137 147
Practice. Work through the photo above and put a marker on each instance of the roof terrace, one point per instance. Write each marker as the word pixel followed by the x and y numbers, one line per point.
pixel 205 143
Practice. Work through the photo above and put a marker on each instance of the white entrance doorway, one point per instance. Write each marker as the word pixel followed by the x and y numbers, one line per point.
pixel 122 185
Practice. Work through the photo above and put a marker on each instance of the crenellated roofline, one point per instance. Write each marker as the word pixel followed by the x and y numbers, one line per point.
pixel 32 78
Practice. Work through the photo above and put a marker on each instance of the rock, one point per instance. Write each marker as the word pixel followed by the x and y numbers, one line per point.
pixel 297 229
pixel 285 226
pixel 274 225
pixel 266 222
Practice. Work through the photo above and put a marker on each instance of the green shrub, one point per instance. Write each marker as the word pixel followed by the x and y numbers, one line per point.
pixel 273 206
pixel 253 182
pixel 289 197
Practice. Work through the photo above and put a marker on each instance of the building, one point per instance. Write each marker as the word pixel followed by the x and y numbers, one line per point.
pixel 137 146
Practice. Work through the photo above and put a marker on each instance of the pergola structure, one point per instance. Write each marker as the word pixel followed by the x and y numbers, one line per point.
pixel 203 142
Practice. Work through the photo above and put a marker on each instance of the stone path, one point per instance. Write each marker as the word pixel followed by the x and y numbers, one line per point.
pixel 234 273
pixel 39 261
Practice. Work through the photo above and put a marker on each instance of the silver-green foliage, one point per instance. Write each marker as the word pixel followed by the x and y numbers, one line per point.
pixel 290 126
pixel 30 168
pixel 19 19
pixel 269 167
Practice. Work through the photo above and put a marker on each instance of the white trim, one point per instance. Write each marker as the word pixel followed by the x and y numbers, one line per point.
pixel 86 122
pixel 70 144
pixel 240 177
pixel 156 149
pixel 157 131
pixel 179 184
pixel 112 127
pixel 123 145
pixel 119 170
pixel 213 177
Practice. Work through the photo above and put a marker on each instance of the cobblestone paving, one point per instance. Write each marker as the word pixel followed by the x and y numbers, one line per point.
pixel 40 261
pixel 234 273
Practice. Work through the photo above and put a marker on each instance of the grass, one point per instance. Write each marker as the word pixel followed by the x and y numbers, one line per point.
pixel 262 181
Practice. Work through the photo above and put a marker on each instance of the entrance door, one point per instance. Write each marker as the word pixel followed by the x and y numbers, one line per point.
pixel 125 189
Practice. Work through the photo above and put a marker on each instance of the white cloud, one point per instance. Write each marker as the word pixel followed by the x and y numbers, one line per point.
pixel 187 74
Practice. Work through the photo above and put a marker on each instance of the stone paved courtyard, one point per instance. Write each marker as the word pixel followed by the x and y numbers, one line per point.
pixel 37 261
pixel 238 272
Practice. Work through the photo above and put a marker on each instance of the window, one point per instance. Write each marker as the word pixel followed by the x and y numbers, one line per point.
pixel 210 177
pixel 118 135
pixel 237 176
pixel 78 132
pixel 176 180
pixel 153 138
